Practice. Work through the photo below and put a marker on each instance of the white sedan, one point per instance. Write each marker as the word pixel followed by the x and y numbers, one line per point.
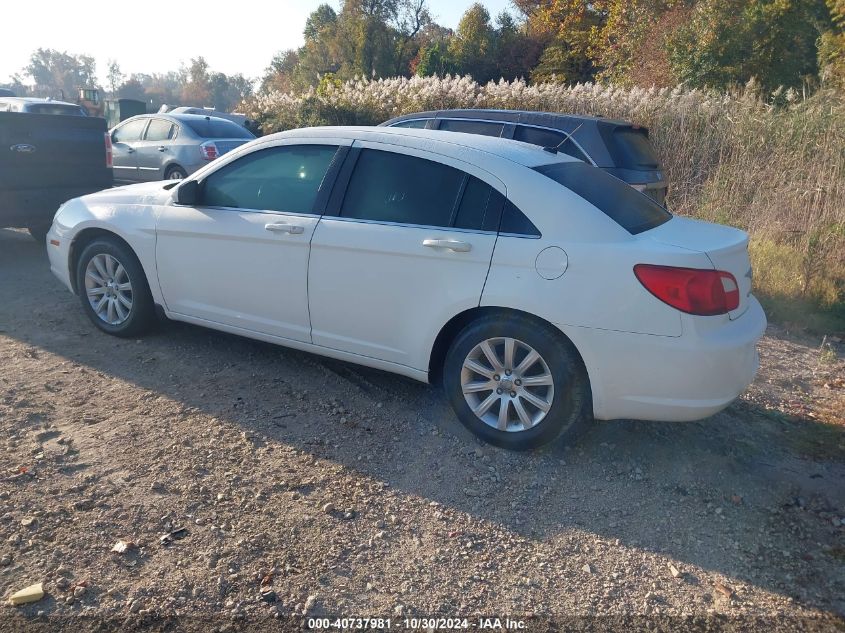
pixel 540 291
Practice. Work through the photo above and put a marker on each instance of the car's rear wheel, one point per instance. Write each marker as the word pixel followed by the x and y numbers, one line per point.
pixel 113 288
pixel 175 173
pixel 516 383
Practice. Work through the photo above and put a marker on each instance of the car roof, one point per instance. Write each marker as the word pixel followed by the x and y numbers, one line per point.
pixel 511 116
pixel 179 116
pixel 453 143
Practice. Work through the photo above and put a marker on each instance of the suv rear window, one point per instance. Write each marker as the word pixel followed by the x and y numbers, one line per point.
pixel 217 128
pixel 630 209
pixel 633 150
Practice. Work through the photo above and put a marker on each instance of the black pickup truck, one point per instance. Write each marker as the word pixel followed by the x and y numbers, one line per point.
pixel 45 160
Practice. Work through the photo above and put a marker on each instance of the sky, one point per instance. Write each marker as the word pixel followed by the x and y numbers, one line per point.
pixel 159 36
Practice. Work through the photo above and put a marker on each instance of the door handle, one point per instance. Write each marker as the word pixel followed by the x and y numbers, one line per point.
pixel 451 245
pixel 162 148
pixel 281 227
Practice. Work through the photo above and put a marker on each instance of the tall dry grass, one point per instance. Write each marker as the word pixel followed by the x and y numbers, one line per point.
pixel 773 165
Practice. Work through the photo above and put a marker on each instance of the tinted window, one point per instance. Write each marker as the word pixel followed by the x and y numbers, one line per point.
pixel 130 131
pixel 416 123
pixel 274 179
pixel 390 187
pixel 159 130
pixel 549 138
pixel 472 127
pixel 473 207
pixel 629 208
pixel 217 128
pixel 513 220
pixel 54 108
pixel 633 149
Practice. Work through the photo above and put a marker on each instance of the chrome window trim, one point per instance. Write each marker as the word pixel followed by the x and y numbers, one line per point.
pixel 242 210
pixel 408 225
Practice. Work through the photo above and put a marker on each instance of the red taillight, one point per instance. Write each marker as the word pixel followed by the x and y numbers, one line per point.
pixel 209 150
pixel 691 290
pixel 109 153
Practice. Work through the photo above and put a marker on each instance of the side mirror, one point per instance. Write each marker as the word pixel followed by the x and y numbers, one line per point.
pixel 188 193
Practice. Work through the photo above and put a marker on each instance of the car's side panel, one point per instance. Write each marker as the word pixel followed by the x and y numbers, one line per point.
pixel 225 266
pixel 375 288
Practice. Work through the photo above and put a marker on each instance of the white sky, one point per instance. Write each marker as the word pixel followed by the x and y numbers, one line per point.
pixel 159 36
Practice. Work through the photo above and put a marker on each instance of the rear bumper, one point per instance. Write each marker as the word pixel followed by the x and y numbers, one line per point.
pixel 690 377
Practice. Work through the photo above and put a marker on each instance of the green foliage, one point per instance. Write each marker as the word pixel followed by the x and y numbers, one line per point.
pixel 60 74
pixel 729 42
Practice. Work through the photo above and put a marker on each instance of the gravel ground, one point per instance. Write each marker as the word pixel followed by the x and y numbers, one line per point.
pixel 313 487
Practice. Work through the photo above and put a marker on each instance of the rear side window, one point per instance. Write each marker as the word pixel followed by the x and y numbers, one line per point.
pixel 275 179
pixel 484 128
pixel 217 128
pixel 416 123
pixel 549 138
pixel 159 130
pixel 633 150
pixel 389 187
pixel 632 210
pixel 475 211
pixel 129 132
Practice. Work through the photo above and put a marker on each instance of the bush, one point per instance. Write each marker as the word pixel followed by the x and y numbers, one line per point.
pixel 773 164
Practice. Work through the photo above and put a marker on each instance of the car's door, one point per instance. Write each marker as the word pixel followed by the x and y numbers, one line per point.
pixel 125 160
pixel 405 245
pixel 154 149
pixel 239 258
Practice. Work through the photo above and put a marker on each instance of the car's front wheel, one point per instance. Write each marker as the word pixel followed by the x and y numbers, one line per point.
pixel 113 288
pixel 516 383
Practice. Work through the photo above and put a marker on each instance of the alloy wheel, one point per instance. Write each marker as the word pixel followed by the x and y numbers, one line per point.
pixel 507 384
pixel 108 288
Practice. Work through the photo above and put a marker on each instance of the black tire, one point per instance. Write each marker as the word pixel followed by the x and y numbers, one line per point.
pixel 141 315
pixel 175 172
pixel 571 402
pixel 39 233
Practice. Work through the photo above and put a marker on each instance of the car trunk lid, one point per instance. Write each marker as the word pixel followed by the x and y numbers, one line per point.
pixel 725 246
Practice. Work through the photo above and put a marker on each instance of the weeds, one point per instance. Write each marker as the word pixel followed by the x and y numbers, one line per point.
pixel 773 165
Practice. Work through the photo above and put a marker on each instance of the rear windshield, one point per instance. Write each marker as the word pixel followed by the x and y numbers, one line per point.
pixel 633 149
pixel 217 128
pixel 630 209
pixel 54 108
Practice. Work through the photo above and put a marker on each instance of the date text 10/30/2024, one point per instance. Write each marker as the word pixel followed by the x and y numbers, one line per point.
pixel 426 624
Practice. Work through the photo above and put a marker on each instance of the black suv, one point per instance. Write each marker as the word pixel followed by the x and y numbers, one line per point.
pixel 620 148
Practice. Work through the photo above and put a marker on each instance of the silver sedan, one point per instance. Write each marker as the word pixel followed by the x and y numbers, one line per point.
pixel 153 147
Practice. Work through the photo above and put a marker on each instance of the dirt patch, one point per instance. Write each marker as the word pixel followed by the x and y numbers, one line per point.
pixel 308 486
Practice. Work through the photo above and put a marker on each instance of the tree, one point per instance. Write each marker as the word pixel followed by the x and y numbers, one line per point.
pixel 411 18
pixel 730 41
pixel 280 74
pixel 197 90
pixel 114 76
pixel 57 73
pixel 832 45
pixel 472 46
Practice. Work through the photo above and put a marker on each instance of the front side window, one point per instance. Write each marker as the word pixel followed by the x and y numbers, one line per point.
pixel 484 128
pixel 391 187
pixel 274 179
pixel 130 131
pixel 159 130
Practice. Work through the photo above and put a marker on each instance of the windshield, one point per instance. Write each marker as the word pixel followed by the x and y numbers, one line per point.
pixel 632 210
pixel 217 128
